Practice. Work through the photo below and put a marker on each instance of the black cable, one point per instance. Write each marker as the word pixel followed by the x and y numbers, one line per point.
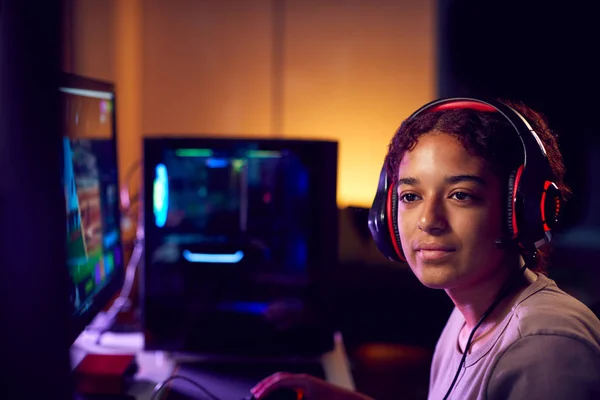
pixel 159 387
pixel 501 294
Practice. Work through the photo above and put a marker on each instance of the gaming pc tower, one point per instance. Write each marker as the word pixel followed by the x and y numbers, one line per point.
pixel 240 240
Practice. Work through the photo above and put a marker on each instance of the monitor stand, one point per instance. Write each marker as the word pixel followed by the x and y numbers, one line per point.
pixel 103 322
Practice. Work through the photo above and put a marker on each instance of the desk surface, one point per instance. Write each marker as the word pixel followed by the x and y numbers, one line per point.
pixel 156 366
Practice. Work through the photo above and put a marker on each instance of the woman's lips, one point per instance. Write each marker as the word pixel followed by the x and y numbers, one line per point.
pixel 431 255
pixel 433 251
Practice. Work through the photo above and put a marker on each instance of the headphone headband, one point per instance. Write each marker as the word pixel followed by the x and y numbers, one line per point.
pixel 441 106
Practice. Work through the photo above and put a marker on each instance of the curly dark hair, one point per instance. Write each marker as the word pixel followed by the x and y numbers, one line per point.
pixel 488 135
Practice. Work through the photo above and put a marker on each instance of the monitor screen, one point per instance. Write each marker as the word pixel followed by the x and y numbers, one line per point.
pixel 240 234
pixel 90 183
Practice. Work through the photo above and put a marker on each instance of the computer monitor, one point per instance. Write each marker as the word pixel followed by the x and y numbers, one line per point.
pixel 91 187
pixel 240 237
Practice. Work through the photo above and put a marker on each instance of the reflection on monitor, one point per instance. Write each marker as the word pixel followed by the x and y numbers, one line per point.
pixel 90 182
pixel 237 233
pixel 231 208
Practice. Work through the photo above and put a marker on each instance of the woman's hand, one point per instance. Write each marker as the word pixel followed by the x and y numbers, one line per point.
pixel 312 388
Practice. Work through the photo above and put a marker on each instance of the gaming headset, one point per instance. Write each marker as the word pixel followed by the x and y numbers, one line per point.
pixel 533 204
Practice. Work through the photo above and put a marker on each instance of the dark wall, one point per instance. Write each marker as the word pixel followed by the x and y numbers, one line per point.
pixel 542 53
pixel 545 55
pixel 34 348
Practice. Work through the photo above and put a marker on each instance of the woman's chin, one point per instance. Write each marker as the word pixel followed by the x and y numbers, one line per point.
pixel 436 284
pixel 437 277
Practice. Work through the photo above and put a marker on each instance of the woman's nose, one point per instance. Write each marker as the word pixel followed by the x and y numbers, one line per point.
pixel 433 217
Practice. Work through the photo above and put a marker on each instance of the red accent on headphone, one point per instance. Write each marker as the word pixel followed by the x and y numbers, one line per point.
pixel 514 201
pixel 546 227
pixel 390 219
pixel 475 105
pixel 542 208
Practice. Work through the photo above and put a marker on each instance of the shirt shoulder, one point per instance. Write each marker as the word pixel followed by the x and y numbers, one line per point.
pixel 555 351
pixel 546 366
pixel 551 311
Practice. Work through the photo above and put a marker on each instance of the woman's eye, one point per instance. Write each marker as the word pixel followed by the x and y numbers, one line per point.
pixel 462 196
pixel 409 197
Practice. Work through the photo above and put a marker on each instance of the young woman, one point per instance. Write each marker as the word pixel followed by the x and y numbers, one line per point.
pixel 461 204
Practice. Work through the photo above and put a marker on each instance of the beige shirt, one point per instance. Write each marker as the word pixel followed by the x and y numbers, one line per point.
pixel 547 347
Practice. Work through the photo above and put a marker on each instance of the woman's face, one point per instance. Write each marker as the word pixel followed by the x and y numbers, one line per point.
pixel 449 213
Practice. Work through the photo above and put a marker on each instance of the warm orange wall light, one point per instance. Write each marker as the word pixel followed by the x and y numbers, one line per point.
pixel 347 70
pixel 352 72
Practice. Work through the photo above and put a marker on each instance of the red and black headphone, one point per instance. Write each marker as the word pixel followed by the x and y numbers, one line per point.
pixel 534 200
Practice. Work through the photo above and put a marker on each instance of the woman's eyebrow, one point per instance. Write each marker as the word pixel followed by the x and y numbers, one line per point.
pixel 410 181
pixel 466 178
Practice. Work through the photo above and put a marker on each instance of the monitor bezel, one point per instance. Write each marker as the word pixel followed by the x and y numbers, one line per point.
pixel 79 323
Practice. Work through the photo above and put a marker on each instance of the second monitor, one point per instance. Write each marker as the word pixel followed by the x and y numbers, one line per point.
pixel 240 237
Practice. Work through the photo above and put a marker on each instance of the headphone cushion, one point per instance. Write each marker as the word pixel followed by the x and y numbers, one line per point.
pixel 394 216
pixel 512 202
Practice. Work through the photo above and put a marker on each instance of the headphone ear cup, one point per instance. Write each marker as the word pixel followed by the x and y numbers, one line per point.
pixel 383 219
pixel 550 206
